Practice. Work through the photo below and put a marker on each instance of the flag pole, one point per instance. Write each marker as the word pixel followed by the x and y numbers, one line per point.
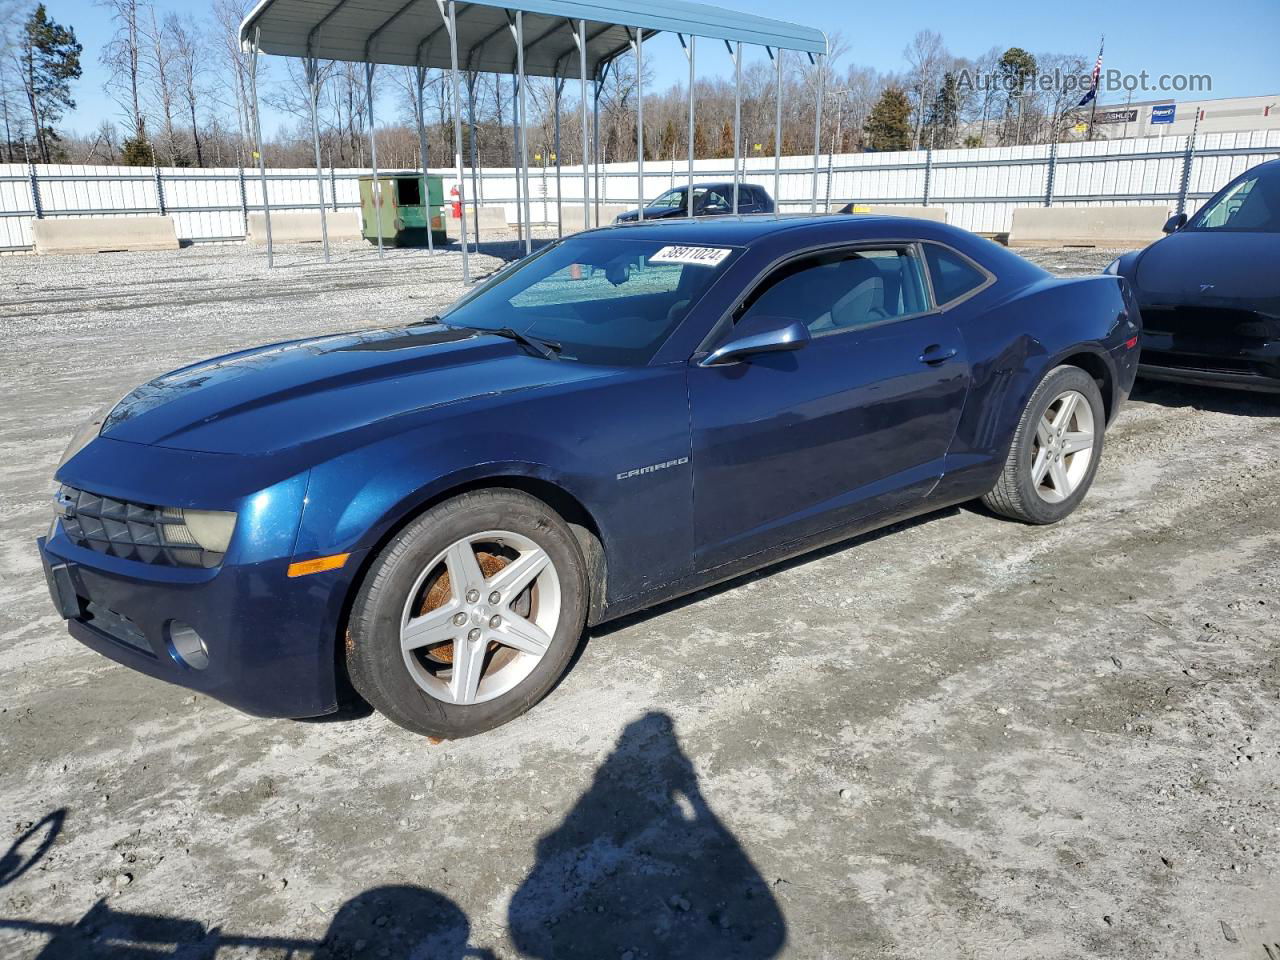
pixel 1097 80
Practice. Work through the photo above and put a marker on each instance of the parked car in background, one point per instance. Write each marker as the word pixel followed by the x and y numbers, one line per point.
pixel 436 510
pixel 1210 291
pixel 709 200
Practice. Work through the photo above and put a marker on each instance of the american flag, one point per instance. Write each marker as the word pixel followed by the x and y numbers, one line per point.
pixel 1097 75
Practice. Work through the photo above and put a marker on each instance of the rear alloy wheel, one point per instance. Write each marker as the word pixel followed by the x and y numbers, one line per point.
pixel 1055 450
pixel 470 615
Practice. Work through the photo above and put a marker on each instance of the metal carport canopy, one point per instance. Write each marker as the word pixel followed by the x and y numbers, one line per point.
pixel 414 33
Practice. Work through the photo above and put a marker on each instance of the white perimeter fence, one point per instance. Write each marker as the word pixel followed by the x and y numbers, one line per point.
pixel 978 188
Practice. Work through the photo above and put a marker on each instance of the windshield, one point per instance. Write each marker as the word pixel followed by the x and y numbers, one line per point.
pixel 598 299
pixel 1252 205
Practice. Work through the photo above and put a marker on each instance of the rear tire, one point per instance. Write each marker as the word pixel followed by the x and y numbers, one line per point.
pixel 1055 452
pixel 448 646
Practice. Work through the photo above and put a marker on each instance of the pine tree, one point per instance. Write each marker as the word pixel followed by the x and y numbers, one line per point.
pixel 50 59
pixel 888 126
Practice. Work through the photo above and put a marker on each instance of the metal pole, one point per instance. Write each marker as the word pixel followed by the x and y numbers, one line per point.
pixel 421 117
pixel 737 122
pixel 817 131
pixel 376 192
pixel 475 157
pixel 597 89
pixel 515 155
pixel 640 119
pixel 257 135
pixel 37 207
pixel 1188 158
pixel 689 50
pixel 524 147
pixel 559 86
pixel 457 128
pixel 311 67
pixel 777 137
pixel 586 135
pixel 333 183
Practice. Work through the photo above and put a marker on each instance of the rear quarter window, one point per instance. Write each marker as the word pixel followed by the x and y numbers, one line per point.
pixel 953 276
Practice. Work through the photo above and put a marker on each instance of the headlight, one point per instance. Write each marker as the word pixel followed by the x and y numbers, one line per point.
pixel 207 529
pixel 1113 267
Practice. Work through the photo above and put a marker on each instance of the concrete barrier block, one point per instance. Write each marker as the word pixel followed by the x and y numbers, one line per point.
pixel 936 214
pixel 491 218
pixel 303 226
pixel 1087 226
pixel 103 234
pixel 573 219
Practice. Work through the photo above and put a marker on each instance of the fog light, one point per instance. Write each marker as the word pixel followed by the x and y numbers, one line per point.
pixel 185 645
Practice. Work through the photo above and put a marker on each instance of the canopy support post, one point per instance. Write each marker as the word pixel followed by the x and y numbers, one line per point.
pixel 376 192
pixel 597 88
pixel 311 68
pixel 420 114
pixel 515 155
pixel 457 125
pixel 777 136
pixel 558 87
pixel 254 54
pixel 736 52
pixel 475 156
pixel 586 133
pixel 639 46
pixel 689 52
pixel 524 147
pixel 819 62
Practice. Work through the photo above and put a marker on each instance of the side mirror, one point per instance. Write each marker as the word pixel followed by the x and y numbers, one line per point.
pixel 758 335
pixel 1175 223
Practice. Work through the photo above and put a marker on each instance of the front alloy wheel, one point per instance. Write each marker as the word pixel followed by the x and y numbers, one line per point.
pixel 481 617
pixel 470 615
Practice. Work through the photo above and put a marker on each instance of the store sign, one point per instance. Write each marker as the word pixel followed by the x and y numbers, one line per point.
pixel 1163 113
pixel 1117 116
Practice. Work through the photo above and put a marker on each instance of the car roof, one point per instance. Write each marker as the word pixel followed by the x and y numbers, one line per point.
pixel 713 184
pixel 748 229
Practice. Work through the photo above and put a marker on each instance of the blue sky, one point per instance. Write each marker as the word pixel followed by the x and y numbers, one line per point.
pixel 1175 36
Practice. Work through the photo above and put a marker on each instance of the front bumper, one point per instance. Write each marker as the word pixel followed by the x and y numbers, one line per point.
pixel 270 639
pixel 1222 361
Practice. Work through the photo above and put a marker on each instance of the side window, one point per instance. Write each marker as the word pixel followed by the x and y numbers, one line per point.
pixel 953 276
pixel 841 290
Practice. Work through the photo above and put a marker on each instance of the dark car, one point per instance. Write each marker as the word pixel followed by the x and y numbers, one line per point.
pixel 436 510
pixel 709 200
pixel 1210 291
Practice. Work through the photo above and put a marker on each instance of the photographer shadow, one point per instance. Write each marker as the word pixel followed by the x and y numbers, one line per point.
pixel 642 865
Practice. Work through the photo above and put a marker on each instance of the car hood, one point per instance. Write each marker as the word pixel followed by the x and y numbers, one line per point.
pixel 1211 268
pixel 276 397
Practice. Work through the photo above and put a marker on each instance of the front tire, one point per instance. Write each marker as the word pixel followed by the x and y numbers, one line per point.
pixel 470 615
pixel 1055 452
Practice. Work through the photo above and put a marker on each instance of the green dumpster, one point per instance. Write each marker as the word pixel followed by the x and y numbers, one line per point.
pixel 402 218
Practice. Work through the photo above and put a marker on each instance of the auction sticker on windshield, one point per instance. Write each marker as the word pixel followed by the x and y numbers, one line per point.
pixel 697 256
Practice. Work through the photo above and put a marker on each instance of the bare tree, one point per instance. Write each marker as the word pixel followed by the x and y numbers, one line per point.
pixel 188 70
pixel 927 58
pixel 122 56
pixel 160 68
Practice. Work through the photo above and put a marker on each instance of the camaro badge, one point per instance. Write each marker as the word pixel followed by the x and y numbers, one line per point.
pixel 652 468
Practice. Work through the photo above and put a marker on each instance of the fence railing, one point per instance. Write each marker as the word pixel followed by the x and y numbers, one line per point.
pixel 978 188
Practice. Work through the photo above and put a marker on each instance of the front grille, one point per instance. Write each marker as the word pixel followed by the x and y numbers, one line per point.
pixel 1209 322
pixel 132 531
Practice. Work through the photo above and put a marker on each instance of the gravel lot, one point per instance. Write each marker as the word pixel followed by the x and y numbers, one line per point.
pixel 965 738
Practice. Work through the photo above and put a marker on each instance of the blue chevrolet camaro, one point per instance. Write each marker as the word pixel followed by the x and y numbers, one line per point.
pixel 434 512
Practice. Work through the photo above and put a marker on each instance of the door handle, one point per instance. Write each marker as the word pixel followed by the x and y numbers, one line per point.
pixel 936 354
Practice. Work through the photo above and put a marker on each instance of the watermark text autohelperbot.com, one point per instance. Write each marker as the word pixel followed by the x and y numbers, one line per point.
pixel 1109 81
